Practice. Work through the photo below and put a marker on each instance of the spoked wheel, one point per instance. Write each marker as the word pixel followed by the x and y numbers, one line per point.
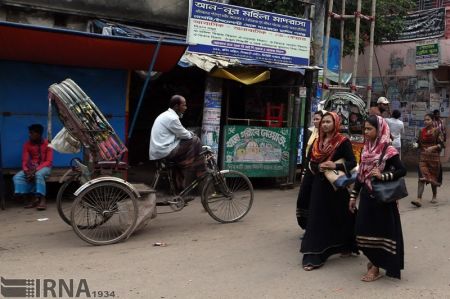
pixel 230 199
pixel 66 197
pixel 104 213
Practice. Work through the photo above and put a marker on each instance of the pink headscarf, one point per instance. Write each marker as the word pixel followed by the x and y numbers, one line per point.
pixel 373 150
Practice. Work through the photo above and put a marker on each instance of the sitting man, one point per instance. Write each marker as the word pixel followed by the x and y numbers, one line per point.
pixel 170 140
pixel 37 160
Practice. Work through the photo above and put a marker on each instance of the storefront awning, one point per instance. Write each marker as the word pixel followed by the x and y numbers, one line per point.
pixel 209 62
pixel 21 42
pixel 345 78
pixel 245 76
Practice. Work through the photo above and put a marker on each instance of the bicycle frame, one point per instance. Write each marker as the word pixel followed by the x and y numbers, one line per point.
pixel 213 172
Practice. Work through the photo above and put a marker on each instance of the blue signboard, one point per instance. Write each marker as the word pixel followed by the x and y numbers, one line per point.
pixel 235 31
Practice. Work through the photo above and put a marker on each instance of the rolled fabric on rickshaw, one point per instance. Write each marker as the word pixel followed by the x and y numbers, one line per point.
pixel 85 121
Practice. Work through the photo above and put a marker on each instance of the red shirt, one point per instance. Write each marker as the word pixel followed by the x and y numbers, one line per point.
pixel 37 155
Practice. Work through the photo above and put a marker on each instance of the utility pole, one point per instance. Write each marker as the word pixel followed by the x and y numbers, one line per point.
pixel 371 50
pixel 317 30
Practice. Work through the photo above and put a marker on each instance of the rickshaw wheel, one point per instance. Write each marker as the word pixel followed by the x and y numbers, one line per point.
pixel 66 197
pixel 104 213
pixel 229 199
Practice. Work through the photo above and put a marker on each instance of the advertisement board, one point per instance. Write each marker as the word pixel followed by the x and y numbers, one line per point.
pixel 427 55
pixel 423 24
pixel 240 32
pixel 257 151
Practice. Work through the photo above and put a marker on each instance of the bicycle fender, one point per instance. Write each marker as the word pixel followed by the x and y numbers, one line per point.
pixel 65 175
pixel 106 179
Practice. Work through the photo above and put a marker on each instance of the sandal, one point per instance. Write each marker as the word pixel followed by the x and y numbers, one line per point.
pixel 42 204
pixel 434 200
pixel 41 207
pixel 308 268
pixel 32 204
pixel 416 203
pixel 371 277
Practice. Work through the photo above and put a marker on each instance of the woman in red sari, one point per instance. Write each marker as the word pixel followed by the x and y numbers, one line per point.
pixel 431 142
pixel 330 225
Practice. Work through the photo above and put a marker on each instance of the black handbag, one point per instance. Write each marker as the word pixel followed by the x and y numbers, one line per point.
pixel 388 191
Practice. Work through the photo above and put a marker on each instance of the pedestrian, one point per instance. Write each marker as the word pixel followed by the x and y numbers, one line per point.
pixel 170 140
pixel 397 128
pixel 305 187
pixel 378 227
pixel 330 225
pixel 37 160
pixel 430 144
pixel 382 107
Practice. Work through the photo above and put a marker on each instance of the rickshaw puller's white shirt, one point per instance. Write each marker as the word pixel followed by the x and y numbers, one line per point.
pixel 167 131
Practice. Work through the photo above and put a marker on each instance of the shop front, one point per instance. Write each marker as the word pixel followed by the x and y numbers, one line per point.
pixel 258 104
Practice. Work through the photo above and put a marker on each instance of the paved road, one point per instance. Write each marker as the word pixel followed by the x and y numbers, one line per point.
pixel 255 258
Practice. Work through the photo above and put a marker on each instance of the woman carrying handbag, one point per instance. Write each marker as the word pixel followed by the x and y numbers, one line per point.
pixel 330 225
pixel 378 228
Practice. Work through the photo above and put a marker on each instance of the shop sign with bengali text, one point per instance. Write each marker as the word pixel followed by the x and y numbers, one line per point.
pixel 257 151
pixel 427 55
pixel 422 24
pixel 240 32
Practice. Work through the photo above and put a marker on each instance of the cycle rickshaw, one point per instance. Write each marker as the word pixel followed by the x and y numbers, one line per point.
pixel 102 207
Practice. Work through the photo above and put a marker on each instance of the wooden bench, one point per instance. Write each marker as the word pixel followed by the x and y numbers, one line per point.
pixel 8 173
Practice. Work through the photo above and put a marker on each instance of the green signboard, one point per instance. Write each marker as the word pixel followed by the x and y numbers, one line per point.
pixel 427 55
pixel 257 151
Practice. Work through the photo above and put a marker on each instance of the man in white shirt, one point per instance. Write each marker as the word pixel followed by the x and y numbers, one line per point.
pixel 170 140
pixel 397 128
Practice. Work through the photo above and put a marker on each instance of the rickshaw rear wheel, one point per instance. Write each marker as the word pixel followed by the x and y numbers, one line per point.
pixel 66 197
pixel 104 213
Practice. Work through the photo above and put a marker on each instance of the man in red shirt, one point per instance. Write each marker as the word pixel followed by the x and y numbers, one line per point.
pixel 37 160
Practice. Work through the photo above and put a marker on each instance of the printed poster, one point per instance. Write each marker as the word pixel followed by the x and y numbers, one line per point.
pixel 257 151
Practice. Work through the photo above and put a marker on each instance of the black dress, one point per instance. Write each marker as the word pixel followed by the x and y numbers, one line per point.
pixel 304 192
pixel 378 227
pixel 330 226
pixel 303 199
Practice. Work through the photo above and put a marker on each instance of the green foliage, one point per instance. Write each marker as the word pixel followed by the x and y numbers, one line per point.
pixel 388 22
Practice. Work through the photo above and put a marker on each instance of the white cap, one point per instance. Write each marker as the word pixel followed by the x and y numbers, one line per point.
pixel 382 100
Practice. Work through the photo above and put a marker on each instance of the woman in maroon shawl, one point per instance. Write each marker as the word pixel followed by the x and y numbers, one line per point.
pixel 378 228
pixel 431 142
pixel 330 226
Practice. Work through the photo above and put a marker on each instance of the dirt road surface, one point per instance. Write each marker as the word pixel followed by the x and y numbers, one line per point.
pixel 255 258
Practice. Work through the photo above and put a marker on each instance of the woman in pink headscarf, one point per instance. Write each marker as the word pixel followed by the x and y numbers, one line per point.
pixel 378 227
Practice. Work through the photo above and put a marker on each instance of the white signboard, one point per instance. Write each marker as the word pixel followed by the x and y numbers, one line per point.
pixel 235 31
